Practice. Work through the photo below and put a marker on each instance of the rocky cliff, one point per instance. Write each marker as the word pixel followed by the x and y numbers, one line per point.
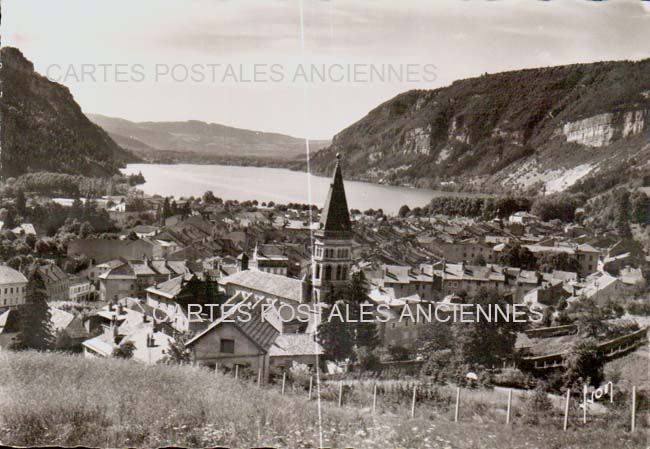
pixel 44 129
pixel 530 129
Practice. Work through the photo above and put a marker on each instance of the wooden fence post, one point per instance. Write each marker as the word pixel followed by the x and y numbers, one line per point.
pixel 457 410
pixel 311 384
pixel 236 371
pixel 584 404
pixel 509 406
pixel 566 409
pixel 216 369
pixel 633 418
pixel 284 379
pixel 374 399
pixel 259 377
pixel 415 387
pixel 340 393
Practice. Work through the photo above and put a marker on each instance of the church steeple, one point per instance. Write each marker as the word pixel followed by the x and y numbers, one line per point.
pixel 333 243
pixel 335 218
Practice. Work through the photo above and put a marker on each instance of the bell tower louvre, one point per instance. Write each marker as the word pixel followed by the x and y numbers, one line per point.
pixel 333 241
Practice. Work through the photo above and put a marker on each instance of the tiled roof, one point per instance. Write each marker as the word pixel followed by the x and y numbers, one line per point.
pixel 258 330
pixel 52 273
pixel 274 284
pixel 60 319
pixel 169 288
pixel 295 344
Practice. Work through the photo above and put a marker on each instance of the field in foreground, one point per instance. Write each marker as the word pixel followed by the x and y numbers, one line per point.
pixel 54 399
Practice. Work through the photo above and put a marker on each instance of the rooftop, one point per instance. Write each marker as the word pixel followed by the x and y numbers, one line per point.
pixel 274 284
pixel 10 276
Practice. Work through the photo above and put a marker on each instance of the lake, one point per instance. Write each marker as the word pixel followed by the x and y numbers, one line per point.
pixel 271 184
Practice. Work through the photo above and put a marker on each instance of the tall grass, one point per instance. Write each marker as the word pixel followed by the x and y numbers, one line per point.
pixel 56 399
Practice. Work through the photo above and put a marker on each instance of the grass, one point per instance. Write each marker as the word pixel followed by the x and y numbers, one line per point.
pixel 56 399
pixel 633 369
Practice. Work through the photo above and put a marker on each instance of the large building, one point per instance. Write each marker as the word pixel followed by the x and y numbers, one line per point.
pixel 13 288
pixel 333 241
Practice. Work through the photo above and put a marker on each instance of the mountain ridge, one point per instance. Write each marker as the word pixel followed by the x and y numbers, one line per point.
pixel 531 129
pixel 44 129
pixel 199 141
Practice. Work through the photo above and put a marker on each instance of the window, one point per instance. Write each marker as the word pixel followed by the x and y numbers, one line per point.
pixel 328 272
pixel 227 346
pixel 317 271
pixel 338 273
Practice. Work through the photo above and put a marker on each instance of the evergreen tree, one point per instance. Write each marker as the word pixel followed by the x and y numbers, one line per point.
pixel 335 335
pixel 365 332
pixel 35 317
pixel 166 209
pixel 21 202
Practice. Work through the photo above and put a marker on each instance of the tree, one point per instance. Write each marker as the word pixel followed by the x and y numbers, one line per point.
pixel 35 316
pixel 404 211
pixel 515 255
pixel 365 331
pixel 124 350
pixel 335 336
pixel 166 209
pixel 341 338
pixel 486 342
pixel 208 197
pixel 176 352
pixel 583 365
pixel 21 202
pixel 549 262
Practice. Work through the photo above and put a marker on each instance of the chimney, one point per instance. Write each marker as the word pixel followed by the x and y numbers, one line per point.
pixel 120 309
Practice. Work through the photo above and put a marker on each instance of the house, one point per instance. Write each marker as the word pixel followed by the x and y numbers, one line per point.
pixel 102 250
pixel 57 282
pixel 13 288
pixel 129 325
pixel 117 283
pixel 171 300
pixel 523 218
pixel 270 258
pixel 266 285
pixel 81 289
pixel 143 231
pixel 9 328
pixel 396 331
pixel 251 341
pixel 460 277
pixel 587 256
pixel 599 287
pixel 234 342
pixel 24 229
pixel 288 349
pixel 406 281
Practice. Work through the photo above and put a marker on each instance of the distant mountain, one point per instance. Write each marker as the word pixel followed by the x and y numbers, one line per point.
pixel 196 141
pixel 524 130
pixel 44 129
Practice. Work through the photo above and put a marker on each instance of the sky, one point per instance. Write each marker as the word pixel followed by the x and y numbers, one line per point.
pixel 250 64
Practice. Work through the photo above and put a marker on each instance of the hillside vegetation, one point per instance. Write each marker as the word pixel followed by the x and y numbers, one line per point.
pixel 200 142
pixel 527 129
pixel 56 399
pixel 44 129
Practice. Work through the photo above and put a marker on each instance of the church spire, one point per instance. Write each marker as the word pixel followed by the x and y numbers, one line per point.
pixel 335 218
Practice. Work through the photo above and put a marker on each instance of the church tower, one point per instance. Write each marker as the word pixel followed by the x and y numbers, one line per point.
pixel 333 242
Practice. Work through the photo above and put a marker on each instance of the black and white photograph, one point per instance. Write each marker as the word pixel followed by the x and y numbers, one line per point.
pixel 315 224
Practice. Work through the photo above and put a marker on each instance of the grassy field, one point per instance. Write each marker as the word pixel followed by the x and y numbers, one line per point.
pixel 54 399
